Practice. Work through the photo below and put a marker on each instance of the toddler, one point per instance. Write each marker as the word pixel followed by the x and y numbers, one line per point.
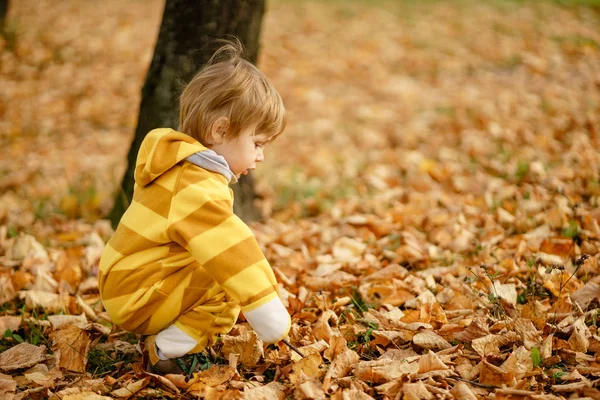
pixel 181 265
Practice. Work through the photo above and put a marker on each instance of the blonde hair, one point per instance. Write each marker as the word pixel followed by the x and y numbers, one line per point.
pixel 231 87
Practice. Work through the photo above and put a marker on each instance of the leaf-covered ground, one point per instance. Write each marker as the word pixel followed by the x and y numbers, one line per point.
pixel 432 211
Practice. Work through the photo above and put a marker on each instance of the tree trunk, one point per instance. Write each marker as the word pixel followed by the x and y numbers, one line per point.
pixel 181 50
pixel 3 11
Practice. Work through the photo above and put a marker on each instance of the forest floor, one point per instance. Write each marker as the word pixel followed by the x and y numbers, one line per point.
pixel 431 212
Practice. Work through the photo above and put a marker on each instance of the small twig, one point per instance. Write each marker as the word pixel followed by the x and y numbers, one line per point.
pixel 291 346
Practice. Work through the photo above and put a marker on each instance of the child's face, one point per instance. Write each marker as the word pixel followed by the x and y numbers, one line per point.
pixel 242 152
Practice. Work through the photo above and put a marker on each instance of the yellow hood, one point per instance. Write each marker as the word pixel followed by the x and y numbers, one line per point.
pixel 160 151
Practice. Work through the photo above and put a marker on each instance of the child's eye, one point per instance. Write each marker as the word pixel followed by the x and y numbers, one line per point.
pixel 258 145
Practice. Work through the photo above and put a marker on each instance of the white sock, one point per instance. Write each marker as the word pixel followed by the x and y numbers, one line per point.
pixel 173 343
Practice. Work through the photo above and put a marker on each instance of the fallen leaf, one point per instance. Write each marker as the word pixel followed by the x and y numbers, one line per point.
pixel 248 346
pixel 489 374
pixel 51 302
pixel 71 346
pixel 23 355
pixel 9 323
pixel 342 364
pixel 416 391
pixel 430 341
pixel 346 249
pixel 131 388
pixel 271 391
pixel 518 363
pixel 380 371
pixel 431 362
pixel 490 344
pixel 309 366
pixel 461 391
pixel 309 389
pixel 586 294
pixel 62 321
pixel 7 386
pixel 578 340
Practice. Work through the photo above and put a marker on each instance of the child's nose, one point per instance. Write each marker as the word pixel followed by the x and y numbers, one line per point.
pixel 261 156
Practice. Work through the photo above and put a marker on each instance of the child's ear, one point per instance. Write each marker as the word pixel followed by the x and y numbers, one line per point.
pixel 219 129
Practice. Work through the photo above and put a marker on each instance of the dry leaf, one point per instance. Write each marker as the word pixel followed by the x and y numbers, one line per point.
pixel 490 344
pixel 507 292
pixel 71 346
pixel 7 289
pixel 346 249
pixel 248 346
pixel 380 371
pixel 23 355
pixel 50 302
pixel 489 374
pixel 62 321
pixel 340 367
pixel 431 362
pixel 310 366
pixel 586 294
pixel 579 341
pixel 9 323
pixel 518 363
pixel 461 391
pixel 26 248
pixel 430 341
pixel 131 388
pixel 271 391
pixel 309 389
pixel 416 391
pixel 7 385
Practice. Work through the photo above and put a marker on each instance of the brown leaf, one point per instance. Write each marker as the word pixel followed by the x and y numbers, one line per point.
pixel 579 341
pixel 337 345
pixel 271 391
pixel 586 294
pixel 40 375
pixel 416 391
pixel 309 389
pixel 310 366
pixel 489 374
pixel 431 362
pixel 7 386
pixel 380 371
pixel 71 346
pixel 9 323
pixel 62 321
pixel 519 363
pixel 461 391
pixel 340 367
pixel 51 302
pixel 23 355
pixel 557 245
pixel 131 388
pixel 7 289
pixel 313 348
pixel 476 329
pixel 430 341
pixel 491 344
pixel 248 345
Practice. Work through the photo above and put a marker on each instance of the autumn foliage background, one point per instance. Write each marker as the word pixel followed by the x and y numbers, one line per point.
pixel 432 211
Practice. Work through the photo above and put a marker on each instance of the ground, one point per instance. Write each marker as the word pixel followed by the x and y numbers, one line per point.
pixel 431 211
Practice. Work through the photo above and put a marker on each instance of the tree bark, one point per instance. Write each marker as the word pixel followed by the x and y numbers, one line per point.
pixel 3 11
pixel 182 48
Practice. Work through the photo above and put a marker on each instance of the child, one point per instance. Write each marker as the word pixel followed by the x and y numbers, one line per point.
pixel 181 265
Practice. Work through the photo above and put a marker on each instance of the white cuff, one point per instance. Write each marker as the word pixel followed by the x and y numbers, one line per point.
pixel 173 342
pixel 271 321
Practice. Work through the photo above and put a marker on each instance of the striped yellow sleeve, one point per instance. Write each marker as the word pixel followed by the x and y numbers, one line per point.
pixel 203 222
